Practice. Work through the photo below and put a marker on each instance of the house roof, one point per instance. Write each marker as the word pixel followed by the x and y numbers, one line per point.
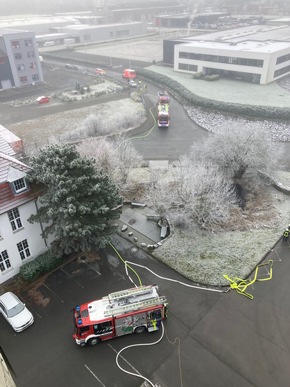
pixel 5 146
pixel 12 169
pixel 6 162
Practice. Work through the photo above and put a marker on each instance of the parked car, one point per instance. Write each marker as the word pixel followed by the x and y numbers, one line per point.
pixel 15 312
pixel 71 66
pixel 43 99
pixel 100 71
pixel 132 83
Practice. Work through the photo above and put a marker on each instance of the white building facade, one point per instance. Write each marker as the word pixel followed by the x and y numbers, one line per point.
pixel 251 61
pixel 20 241
pixel 19 59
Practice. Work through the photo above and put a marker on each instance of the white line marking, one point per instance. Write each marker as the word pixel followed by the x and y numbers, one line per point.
pixel 102 384
pixel 51 291
pixel 126 361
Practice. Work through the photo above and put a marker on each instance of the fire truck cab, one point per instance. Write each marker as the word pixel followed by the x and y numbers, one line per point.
pixel 129 74
pixel 133 310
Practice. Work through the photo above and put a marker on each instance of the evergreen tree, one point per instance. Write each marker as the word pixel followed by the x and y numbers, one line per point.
pixel 79 203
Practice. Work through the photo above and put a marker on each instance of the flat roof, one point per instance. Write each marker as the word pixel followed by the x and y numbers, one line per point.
pixel 27 21
pixel 100 26
pixel 246 45
pixel 6 31
pixel 261 32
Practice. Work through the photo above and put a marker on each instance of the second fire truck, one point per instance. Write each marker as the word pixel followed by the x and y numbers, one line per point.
pixel 133 310
pixel 163 115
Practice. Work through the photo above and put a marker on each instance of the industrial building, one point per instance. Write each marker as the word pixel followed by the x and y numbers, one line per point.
pixel 19 59
pixel 256 53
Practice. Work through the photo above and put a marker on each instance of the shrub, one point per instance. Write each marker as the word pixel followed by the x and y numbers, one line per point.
pixel 42 264
pixel 197 75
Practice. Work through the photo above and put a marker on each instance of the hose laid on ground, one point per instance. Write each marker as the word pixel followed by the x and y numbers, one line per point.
pixel 240 285
pixel 173 280
pixel 138 345
pixel 127 266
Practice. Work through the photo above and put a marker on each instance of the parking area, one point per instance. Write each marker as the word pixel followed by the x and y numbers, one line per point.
pixel 46 354
pixel 211 338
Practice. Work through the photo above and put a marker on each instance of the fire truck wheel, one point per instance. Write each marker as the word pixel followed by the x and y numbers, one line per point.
pixel 140 329
pixel 93 341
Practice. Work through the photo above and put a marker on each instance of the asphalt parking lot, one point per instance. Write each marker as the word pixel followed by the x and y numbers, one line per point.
pixel 211 339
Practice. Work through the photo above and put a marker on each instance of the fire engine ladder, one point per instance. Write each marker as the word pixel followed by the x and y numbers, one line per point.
pixel 135 306
pixel 130 292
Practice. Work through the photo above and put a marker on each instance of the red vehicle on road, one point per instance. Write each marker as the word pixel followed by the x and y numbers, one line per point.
pixel 129 74
pixel 43 99
pixel 100 71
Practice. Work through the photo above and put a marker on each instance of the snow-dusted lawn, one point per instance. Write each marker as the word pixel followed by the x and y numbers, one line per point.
pixel 69 126
pixel 204 257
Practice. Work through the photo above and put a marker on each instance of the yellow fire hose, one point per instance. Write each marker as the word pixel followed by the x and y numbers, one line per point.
pixel 240 285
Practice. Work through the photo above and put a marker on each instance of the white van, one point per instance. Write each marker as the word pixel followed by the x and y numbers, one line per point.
pixel 49 43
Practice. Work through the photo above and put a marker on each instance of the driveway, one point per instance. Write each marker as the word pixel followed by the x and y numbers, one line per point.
pixel 211 338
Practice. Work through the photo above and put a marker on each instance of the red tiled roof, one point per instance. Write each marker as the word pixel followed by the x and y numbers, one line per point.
pixel 9 200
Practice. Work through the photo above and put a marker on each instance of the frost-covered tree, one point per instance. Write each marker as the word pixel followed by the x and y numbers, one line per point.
pixel 115 157
pixel 80 202
pixel 196 194
pixel 237 149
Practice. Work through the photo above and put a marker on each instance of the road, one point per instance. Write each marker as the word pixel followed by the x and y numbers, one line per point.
pixel 169 143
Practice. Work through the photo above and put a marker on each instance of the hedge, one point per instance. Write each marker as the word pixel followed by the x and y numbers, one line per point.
pixel 264 112
pixel 44 263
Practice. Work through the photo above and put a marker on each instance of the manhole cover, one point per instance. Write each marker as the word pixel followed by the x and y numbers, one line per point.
pixel 134 249
pixel 132 221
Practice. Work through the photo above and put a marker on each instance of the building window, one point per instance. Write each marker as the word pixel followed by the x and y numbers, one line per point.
pixel 14 219
pixel 185 66
pixel 222 59
pixel 18 55
pixel 122 33
pixel 20 185
pixel 28 42
pixel 35 77
pixel 87 37
pixel 30 54
pixel 23 79
pixel 283 58
pixel 282 71
pixel 15 44
pixel 4 261
pixel 20 67
pixel 23 249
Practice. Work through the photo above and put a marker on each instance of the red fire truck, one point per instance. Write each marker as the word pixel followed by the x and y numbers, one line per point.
pixel 133 310
pixel 163 116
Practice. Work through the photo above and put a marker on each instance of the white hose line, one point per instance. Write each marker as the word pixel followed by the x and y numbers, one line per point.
pixel 176 281
pixel 138 345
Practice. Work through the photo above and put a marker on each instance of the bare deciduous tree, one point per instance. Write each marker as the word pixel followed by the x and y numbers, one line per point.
pixel 238 149
pixel 115 157
pixel 197 194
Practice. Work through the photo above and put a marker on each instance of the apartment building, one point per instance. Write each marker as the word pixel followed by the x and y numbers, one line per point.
pixel 19 59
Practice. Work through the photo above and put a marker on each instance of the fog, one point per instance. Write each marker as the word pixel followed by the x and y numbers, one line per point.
pixel 26 7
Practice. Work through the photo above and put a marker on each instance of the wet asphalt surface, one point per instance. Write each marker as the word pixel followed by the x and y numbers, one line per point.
pixel 211 339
